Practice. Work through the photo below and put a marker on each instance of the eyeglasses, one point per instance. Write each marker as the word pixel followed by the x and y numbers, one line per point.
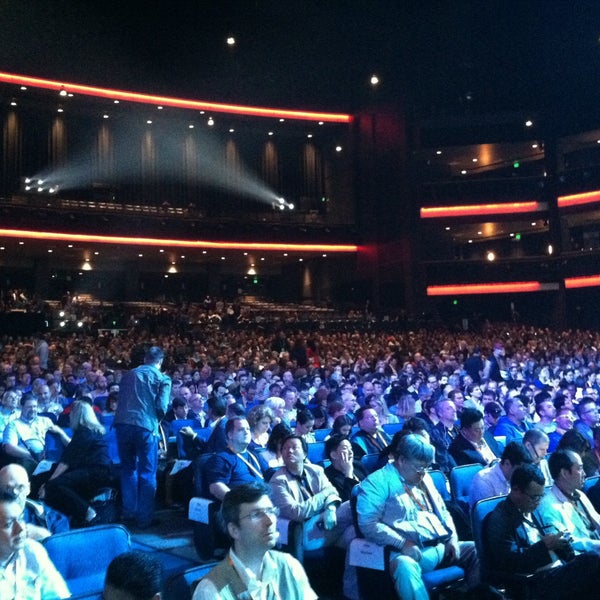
pixel 534 497
pixel 420 470
pixel 260 513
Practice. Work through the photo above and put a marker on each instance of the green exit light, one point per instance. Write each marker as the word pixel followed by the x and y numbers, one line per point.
pixel 255 280
pixel 516 164
pixel 517 236
pixel 455 302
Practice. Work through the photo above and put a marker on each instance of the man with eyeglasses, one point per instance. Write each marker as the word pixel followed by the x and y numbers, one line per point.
pixel 26 571
pixel 587 411
pixel 252 570
pixel 516 541
pixel 399 506
pixel 565 507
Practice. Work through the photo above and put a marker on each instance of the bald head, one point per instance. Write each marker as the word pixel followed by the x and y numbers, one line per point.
pixel 14 479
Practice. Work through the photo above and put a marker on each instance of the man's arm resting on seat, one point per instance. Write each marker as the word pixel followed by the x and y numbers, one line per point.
pixel 218 490
pixel 17 451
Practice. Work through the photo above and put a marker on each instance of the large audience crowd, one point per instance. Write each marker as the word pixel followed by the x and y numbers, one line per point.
pixel 502 396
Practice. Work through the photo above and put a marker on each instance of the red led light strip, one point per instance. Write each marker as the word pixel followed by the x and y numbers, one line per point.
pixel 490 288
pixel 577 199
pixel 581 282
pixel 435 212
pixel 235 109
pixel 142 241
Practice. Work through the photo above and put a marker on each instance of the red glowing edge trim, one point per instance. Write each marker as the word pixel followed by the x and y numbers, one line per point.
pixel 143 241
pixel 577 199
pixel 581 282
pixel 487 288
pixel 235 109
pixel 435 212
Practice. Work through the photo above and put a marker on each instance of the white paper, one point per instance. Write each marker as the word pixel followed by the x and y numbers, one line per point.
pixel 367 554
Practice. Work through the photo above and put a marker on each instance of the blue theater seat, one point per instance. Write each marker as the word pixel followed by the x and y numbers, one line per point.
pixel 83 555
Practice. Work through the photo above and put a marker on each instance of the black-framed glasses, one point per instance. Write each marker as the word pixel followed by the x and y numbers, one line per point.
pixel 534 497
pixel 260 513
pixel 420 470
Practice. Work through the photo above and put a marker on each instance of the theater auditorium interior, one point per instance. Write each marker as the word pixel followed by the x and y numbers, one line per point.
pixel 381 166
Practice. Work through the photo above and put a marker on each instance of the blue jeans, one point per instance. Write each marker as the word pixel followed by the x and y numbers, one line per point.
pixel 138 451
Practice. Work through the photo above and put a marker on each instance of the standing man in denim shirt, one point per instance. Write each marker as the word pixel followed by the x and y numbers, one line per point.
pixel 143 400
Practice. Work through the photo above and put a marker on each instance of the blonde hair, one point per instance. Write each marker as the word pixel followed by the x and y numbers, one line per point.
pixel 82 415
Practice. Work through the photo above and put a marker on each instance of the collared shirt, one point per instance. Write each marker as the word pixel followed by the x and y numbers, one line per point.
pixel 484 450
pixel 30 575
pixel 30 435
pixel 575 515
pixel 282 576
pixel 383 501
pixel 487 483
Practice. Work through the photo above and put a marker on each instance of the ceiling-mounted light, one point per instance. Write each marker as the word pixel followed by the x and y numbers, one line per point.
pixel 62 91
pixel 86 266
pixel 172 269
pixel 251 271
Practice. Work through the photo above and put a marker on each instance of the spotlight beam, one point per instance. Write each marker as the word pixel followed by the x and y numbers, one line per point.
pixel 235 109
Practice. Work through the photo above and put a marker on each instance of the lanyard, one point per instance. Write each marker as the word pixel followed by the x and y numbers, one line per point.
pixel 255 468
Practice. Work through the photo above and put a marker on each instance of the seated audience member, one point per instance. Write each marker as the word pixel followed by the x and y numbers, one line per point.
pixel 25 437
pixel 379 405
pixel 320 416
pixel 513 424
pixel 342 425
pixel 443 433
pixel 260 419
pixel 84 468
pixel 26 571
pixel 277 407
pixel 516 542
pixel 234 465
pixel 305 423
pixel 9 410
pixel 566 508
pixel 564 422
pixel 495 480
pixel 587 413
pixel 252 569
pixel 397 501
pixel 471 445
pixel 369 439
pixel 270 458
pixel 344 472
pixel 576 441
pixel 492 412
pixel 177 412
pixel 428 413
pixel 300 489
pixel 196 408
pixel 134 575
pixel 536 442
pixel 546 411
pixel 415 425
pixel 41 520
pixel 216 421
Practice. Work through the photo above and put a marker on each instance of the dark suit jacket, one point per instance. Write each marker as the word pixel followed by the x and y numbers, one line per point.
pixel 343 484
pixel 507 547
pixel 464 453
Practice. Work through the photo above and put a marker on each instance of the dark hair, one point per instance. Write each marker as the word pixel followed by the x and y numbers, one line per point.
pixel 584 401
pixel 245 493
pixel 560 459
pixel 414 425
pixel 230 425
pixel 296 437
pixel 339 422
pixel 278 434
pixel 137 573
pixel 535 436
pixel 304 416
pixel 153 355
pixel 218 406
pixel 470 416
pixel 333 442
pixel 360 412
pixel 574 440
pixel 492 408
pixel 523 475
pixel 515 454
pixel 236 409
pixel 177 402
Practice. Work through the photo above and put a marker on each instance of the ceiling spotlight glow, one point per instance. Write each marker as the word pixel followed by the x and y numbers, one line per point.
pixel 231 41
pixel 210 121
pixel 374 79
pixel 528 123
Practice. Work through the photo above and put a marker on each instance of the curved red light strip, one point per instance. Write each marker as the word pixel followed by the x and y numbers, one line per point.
pixel 143 241
pixel 488 288
pixel 435 212
pixel 581 282
pixel 235 109
pixel 578 199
